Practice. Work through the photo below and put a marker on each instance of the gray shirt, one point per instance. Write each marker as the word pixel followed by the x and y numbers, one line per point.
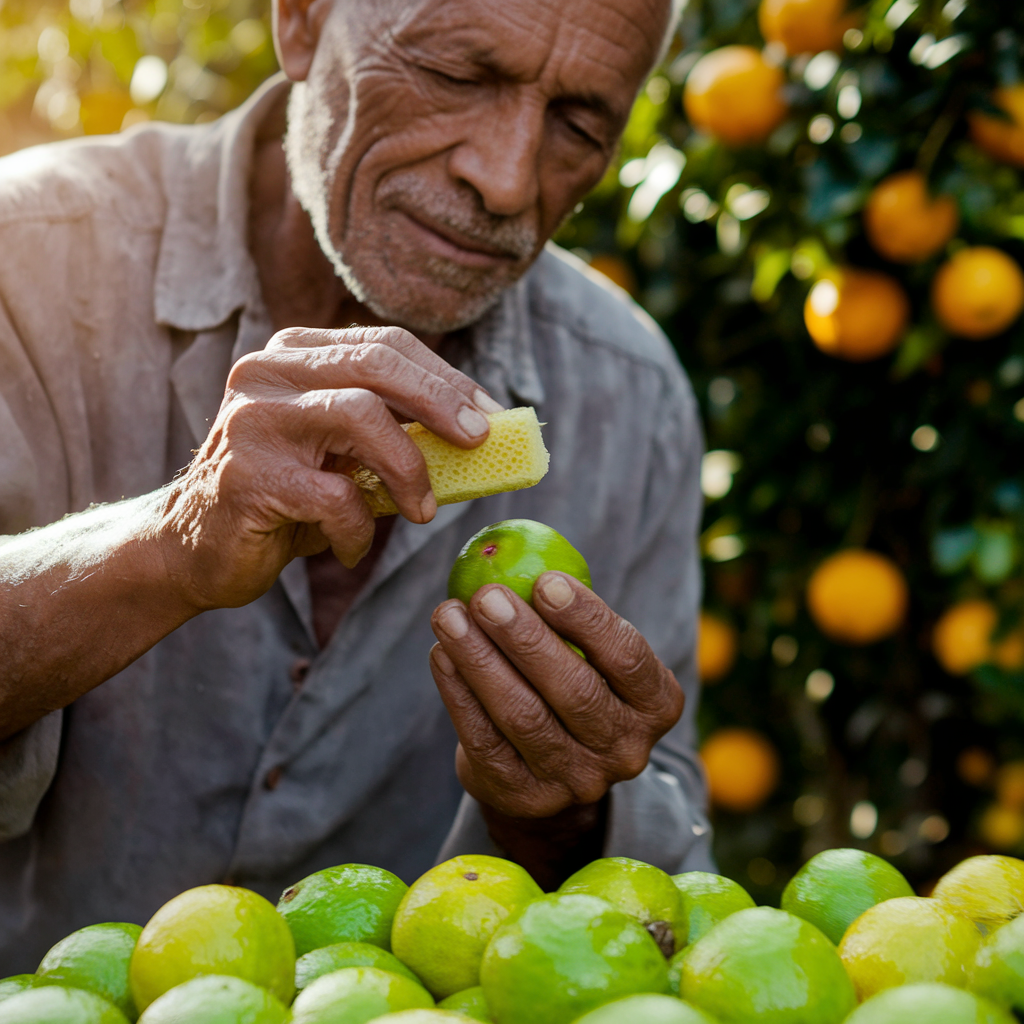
pixel 126 293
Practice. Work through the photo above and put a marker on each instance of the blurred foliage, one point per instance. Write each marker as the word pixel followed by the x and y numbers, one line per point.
pixel 722 246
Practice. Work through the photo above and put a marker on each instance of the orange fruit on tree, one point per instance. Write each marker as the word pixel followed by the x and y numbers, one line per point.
pixel 978 292
pixel 716 647
pixel 1010 785
pixel 857 597
pixel 742 768
pixel 1001 139
pixel 962 638
pixel 856 314
pixel 734 94
pixel 1001 827
pixel 904 223
pixel 806 26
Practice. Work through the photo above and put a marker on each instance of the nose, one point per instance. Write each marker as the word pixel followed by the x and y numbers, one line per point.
pixel 501 155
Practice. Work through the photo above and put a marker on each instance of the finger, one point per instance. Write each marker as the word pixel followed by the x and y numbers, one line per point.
pixel 577 694
pixel 613 646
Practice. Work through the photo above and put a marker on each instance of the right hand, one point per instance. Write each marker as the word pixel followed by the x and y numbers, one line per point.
pixel 266 485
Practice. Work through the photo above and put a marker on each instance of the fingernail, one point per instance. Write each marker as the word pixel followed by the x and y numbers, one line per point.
pixel 555 591
pixel 485 402
pixel 428 507
pixel 454 622
pixel 497 607
pixel 444 664
pixel 472 422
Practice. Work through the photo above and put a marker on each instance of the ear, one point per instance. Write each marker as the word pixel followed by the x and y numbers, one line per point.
pixel 297 28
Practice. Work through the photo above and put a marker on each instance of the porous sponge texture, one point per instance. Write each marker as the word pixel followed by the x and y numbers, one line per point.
pixel 512 457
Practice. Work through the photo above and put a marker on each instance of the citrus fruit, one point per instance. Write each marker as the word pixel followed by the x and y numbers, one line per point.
pixel 648 1009
pixel 856 315
pixel 561 956
pixel 470 1002
pixel 354 995
pixel 989 889
pixel 908 939
pixel 60 1004
pixel 904 223
pixel 716 647
pixel 857 597
pixel 617 270
pixel 962 637
pixel 213 929
pixel 1001 827
pixel 764 965
pixel 96 958
pixel 449 914
pixel 998 971
pixel 318 962
pixel 514 552
pixel 805 26
pixel 216 999
pixel 707 899
pixel 18 983
pixel 1010 785
pixel 927 1003
pixel 1001 139
pixel 638 889
pixel 347 903
pixel 423 1017
pixel 742 768
pixel 835 887
pixel 978 292
pixel 734 94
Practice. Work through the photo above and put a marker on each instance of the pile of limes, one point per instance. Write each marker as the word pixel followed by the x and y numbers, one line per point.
pixel 620 942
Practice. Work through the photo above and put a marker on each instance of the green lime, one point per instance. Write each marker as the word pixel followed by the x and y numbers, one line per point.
pixel 96 958
pixel 214 929
pixel 216 999
pixel 835 887
pixel 437 1016
pixel 928 1003
pixel 650 1009
pixel 764 966
pixel 638 889
pixel 707 899
pixel 355 995
pixel 905 940
pixel 318 962
pixel 470 1002
pixel 449 915
pixel 18 983
pixel 347 903
pixel 988 889
pixel 513 552
pixel 60 1004
pixel 563 955
pixel 999 966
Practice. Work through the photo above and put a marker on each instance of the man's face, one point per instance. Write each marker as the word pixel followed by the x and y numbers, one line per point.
pixel 437 144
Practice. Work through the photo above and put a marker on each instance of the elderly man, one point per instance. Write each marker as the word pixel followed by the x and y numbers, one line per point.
pixel 221 673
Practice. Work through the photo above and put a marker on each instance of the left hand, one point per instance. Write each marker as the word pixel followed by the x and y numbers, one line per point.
pixel 542 730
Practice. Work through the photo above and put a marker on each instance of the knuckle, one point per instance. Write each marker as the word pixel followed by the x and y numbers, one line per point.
pixel 372 358
pixel 533 723
pixel 244 370
pixel 588 786
pixel 290 337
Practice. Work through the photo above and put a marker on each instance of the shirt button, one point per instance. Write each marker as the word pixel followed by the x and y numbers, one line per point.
pixel 272 778
pixel 298 672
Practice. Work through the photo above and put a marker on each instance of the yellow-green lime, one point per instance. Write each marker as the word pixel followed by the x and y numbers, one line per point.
pixel 216 999
pixel 764 966
pixel 987 889
pixel 96 958
pixel 60 1004
pixel 707 899
pixel 470 1002
pixel 437 1016
pixel 835 887
pixel 638 889
pixel 999 966
pixel 906 940
pixel 18 983
pixel 928 1003
pixel 514 552
pixel 448 916
pixel 355 995
pixel 318 962
pixel 564 955
pixel 213 929
pixel 347 903
pixel 646 1009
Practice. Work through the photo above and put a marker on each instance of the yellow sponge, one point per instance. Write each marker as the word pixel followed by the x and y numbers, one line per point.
pixel 512 457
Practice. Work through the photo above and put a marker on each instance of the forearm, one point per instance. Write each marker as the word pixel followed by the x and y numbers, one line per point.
pixel 79 600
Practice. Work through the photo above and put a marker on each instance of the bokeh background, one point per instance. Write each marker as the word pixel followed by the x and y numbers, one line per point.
pixel 908 741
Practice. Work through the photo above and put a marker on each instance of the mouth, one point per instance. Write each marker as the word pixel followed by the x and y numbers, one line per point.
pixel 452 245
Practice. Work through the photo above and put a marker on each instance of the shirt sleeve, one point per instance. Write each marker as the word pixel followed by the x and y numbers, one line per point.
pixel 28 763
